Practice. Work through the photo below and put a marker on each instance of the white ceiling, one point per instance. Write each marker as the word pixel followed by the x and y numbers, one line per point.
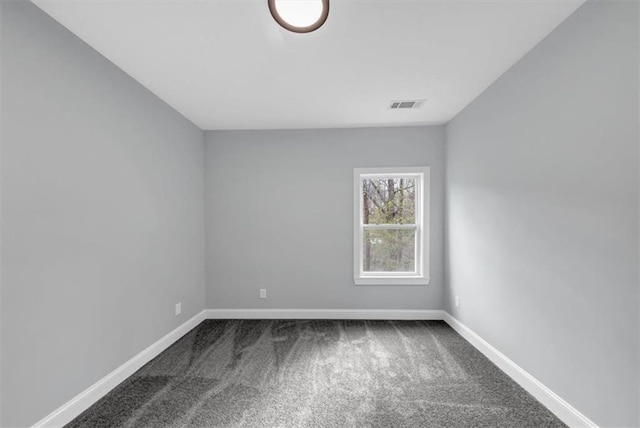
pixel 225 64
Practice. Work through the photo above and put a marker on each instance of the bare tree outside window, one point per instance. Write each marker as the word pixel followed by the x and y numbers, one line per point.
pixel 389 217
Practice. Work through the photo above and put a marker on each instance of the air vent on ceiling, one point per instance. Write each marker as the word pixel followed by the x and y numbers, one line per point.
pixel 404 104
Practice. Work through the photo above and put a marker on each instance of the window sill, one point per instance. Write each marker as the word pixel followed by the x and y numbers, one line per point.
pixel 392 280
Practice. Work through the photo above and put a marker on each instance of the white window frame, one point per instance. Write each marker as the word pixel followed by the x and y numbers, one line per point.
pixel 421 274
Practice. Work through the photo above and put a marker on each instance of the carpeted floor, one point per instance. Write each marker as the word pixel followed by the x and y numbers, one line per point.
pixel 298 373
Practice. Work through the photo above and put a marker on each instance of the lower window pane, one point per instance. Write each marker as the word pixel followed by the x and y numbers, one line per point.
pixel 388 250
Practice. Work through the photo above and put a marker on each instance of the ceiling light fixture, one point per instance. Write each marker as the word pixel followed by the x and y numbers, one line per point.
pixel 299 16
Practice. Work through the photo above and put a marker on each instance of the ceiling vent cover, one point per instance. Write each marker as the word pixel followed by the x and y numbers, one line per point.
pixel 404 104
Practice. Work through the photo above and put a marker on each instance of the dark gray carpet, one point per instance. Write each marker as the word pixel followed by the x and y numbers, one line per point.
pixel 296 373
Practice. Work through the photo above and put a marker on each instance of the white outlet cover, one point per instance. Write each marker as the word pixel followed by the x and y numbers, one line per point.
pixel 178 308
pixel 263 293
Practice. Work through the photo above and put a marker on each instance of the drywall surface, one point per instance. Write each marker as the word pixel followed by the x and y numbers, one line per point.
pixel 1 222
pixel 280 216
pixel 103 212
pixel 542 209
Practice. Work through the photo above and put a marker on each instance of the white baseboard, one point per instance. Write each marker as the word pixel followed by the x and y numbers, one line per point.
pixel 74 407
pixel 563 410
pixel 325 314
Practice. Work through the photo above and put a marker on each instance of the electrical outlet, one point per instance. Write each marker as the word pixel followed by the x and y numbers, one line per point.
pixel 457 301
pixel 263 293
pixel 178 308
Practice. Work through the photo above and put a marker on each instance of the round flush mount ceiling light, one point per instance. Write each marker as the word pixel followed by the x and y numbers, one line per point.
pixel 299 16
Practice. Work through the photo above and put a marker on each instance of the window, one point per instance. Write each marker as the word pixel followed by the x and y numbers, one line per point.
pixel 391 226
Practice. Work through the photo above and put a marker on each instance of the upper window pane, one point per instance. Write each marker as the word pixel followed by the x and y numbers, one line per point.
pixel 389 200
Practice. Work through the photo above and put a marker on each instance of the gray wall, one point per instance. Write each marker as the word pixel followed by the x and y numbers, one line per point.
pixel 103 216
pixel 1 222
pixel 542 208
pixel 279 216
